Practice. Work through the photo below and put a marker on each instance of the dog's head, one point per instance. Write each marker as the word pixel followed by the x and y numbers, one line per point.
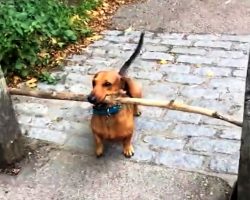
pixel 106 83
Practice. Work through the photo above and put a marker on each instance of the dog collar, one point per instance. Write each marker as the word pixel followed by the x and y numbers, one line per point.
pixel 111 110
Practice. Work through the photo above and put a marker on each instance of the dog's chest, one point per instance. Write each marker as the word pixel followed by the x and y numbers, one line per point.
pixel 115 126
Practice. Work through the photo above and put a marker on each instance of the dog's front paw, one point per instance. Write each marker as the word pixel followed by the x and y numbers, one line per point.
pixel 128 151
pixel 99 151
pixel 138 114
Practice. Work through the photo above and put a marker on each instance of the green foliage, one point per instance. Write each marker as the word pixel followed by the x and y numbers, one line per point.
pixel 32 29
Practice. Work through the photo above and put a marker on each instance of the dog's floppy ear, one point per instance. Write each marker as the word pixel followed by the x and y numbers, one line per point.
pixel 131 88
pixel 125 85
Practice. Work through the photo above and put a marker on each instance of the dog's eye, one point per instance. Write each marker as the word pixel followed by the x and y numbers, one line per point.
pixel 93 83
pixel 107 84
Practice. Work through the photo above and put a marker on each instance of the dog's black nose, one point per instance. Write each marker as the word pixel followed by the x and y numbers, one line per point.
pixel 92 99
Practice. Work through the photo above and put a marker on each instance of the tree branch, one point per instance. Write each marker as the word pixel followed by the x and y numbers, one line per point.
pixel 172 105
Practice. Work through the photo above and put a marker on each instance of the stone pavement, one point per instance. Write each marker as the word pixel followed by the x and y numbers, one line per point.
pixel 202 70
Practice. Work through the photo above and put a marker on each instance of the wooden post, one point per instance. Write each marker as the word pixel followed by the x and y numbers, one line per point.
pixel 11 143
pixel 243 184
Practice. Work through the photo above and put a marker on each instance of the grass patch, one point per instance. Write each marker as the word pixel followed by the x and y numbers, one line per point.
pixel 33 30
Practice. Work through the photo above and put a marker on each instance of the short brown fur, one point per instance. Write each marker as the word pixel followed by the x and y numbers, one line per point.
pixel 121 125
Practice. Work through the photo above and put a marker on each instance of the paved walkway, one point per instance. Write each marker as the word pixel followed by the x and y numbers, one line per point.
pixel 201 70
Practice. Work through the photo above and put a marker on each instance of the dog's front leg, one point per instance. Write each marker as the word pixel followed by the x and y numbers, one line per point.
pixel 128 149
pixel 99 146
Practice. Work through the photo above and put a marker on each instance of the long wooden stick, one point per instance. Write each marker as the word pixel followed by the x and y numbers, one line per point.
pixel 172 105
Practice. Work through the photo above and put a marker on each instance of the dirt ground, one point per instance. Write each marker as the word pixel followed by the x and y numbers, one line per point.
pixel 198 16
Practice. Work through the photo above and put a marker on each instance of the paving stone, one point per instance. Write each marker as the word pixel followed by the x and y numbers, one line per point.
pixel 152 41
pixel 170 35
pixel 241 46
pixel 232 133
pixel 76 69
pixel 186 130
pixel 153 112
pixel 225 54
pixel 143 153
pixel 118 40
pixel 157 56
pixel 237 38
pixel 185 79
pixel 183 117
pixel 76 78
pixel 206 37
pixel 177 42
pixel 156 48
pixel 232 84
pixel 212 104
pixel 151 125
pixel 112 32
pixel 227 62
pixel 31 108
pixel 99 43
pixel 174 68
pixel 157 142
pixel 198 92
pixel 114 53
pixel 209 146
pixel 215 122
pixel 80 88
pixel 190 50
pixel 214 44
pixel 194 59
pixel 146 75
pixel 240 73
pixel 155 91
pixel 180 160
pixel 213 71
pixel 225 164
pixel 59 87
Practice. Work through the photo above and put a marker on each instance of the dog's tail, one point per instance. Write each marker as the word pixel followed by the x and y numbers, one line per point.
pixel 126 65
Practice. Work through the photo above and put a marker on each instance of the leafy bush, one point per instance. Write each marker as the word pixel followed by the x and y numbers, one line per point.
pixel 31 29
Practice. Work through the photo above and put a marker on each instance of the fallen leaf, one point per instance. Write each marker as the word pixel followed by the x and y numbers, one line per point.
pixel 95 37
pixel 128 30
pixel 162 62
pixel 31 83
pixel 210 74
pixel 197 65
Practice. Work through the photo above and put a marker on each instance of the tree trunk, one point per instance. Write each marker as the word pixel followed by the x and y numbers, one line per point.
pixel 243 185
pixel 11 143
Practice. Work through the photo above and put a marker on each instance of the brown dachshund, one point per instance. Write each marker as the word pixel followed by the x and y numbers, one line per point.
pixel 109 121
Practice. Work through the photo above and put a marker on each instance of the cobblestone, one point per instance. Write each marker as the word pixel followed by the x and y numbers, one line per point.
pixel 193 130
pixel 194 59
pixel 213 71
pixel 190 50
pixel 180 160
pixel 177 42
pixel 185 79
pixel 205 37
pixel 198 92
pixel 161 142
pixel 225 164
pixel 226 54
pixel 202 69
pixel 207 145
pixel 157 56
pixel 215 44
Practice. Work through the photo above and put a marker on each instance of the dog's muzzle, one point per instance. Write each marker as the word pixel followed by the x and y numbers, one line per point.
pixel 92 99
